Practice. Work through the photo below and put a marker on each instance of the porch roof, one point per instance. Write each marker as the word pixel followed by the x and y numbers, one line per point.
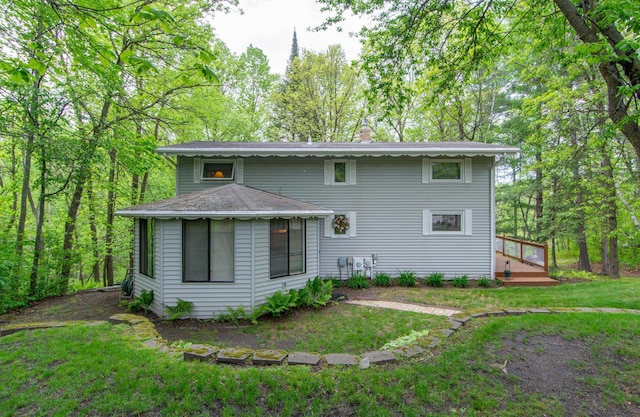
pixel 336 149
pixel 231 201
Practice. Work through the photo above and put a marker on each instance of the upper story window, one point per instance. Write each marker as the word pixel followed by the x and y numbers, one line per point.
pixel 340 172
pixel 446 170
pixel 217 170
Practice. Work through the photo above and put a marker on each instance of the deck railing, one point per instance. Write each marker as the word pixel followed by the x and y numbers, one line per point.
pixel 531 253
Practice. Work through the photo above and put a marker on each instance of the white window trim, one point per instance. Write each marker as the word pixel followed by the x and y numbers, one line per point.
pixel 466 169
pixel 351 232
pixel 466 219
pixel 329 172
pixel 237 170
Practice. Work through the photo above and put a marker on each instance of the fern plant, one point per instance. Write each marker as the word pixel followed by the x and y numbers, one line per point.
pixel 180 310
pixel 281 302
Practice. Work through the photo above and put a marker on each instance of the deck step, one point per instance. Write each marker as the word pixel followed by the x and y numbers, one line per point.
pixel 523 274
pixel 528 281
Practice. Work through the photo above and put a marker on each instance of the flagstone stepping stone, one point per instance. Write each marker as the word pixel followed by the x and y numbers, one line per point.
pixel 303 358
pixel 409 351
pixel 380 356
pixel 234 355
pixel 269 357
pixel 540 311
pixel 515 311
pixel 446 332
pixel 200 353
pixel 340 359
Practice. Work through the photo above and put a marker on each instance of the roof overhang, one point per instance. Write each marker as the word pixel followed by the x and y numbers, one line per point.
pixel 220 215
pixel 337 149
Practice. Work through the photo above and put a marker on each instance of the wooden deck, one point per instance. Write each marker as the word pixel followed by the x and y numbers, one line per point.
pixel 522 275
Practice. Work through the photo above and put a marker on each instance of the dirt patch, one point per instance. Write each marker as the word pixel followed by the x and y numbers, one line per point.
pixel 565 373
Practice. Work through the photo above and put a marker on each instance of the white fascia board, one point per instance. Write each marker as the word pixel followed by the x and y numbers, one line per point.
pixel 354 151
pixel 242 215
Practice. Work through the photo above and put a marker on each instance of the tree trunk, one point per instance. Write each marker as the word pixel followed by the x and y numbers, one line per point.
pixel 584 263
pixel 95 269
pixel 111 208
pixel 610 213
pixel 590 28
pixel 39 242
pixel 539 201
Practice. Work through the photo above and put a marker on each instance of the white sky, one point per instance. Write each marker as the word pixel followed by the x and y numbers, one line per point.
pixel 269 25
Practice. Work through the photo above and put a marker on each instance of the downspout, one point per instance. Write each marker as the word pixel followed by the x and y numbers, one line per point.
pixel 492 237
pixel 253 283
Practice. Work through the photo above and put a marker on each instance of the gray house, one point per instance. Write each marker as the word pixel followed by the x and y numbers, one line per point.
pixel 253 218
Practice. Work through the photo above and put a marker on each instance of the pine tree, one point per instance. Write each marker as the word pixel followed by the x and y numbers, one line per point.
pixel 295 52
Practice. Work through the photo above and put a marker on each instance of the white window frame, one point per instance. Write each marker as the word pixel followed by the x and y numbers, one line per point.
pixel 330 172
pixel 466 225
pixel 466 165
pixel 328 225
pixel 237 171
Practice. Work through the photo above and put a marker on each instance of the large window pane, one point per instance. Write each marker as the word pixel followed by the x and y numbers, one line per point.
pixel 195 249
pixel 222 242
pixel 446 222
pixel 279 251
pixel 146 247
pixel 296 246
pixel 442 170
pixel 339 172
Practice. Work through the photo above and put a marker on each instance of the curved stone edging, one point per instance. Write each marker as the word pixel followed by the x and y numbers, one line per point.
pixel 142 329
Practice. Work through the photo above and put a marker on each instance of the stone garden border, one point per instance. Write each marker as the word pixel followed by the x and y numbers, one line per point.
pixel 143 330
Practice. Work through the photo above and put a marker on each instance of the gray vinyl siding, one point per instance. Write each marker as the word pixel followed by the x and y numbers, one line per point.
pixel 143 282
pixel 389 198
pixel 251 270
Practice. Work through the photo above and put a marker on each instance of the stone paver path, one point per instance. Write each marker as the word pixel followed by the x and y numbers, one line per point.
pixel 405 307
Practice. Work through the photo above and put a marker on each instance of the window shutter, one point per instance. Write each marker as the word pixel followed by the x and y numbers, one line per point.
pixel 327 226
pixel 352 224
pixel 426 170
pixel 352 172
pixel 328 172
pixel 467 170
pixel 426 222
pixel 239 171
pixel 468 223
pixel 197 174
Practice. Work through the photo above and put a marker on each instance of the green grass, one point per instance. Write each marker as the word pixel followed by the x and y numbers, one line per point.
pixel 620 293
pixel 358 329
pixel 89 371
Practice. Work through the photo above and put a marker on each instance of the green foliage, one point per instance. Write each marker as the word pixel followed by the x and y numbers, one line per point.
pixel 336 282
pixel 358 281
pixel 407 279
pixel 180 310
pixel 281 302
pixel 483 282
pixel 461 281
pixel 239 315
pixel 142 302
pixel 382 279
pixel 434 279
pixel 316 293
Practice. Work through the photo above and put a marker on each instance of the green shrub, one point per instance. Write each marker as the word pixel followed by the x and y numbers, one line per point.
pixel 358 281
pixel 181 309
pixel 484 282
pixel 142 302
pixel 281 302
pixel 407 279
pixel 435 279
pixel 316 293
pixel 382 279
pixel 238 315
pixel 337 282
pixel 461 281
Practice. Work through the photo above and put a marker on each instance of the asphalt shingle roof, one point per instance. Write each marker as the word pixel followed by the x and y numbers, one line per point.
pixel 227 201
